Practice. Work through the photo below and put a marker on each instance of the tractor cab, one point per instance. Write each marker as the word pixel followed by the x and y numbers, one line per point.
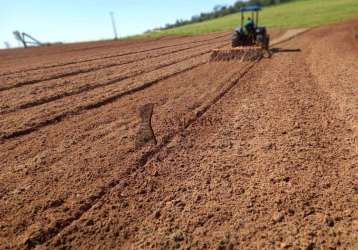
pixel 253 34
pixel 254 9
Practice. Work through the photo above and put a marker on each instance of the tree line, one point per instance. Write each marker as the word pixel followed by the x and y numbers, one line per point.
pixel 220 11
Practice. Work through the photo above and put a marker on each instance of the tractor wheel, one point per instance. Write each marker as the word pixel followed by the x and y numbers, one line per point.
pixel 263 41
pixel 236 40
pixel 267 43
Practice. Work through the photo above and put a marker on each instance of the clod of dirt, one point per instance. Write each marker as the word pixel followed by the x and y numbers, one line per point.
pixel 286 179
pixel 226 243
pixel 279 179
pixel 269 146
pixel 278 217
pixel 329 221
pixel 89 222
pixel 56 203
pixel 173 144
pixel 178 236
pixel 157 214
pixel 311 246
pixel 291 212
pixel 198 198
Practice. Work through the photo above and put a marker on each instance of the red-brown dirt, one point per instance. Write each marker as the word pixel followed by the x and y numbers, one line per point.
pixel 248 155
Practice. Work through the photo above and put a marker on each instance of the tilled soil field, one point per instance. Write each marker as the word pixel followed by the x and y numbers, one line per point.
pixel 248 155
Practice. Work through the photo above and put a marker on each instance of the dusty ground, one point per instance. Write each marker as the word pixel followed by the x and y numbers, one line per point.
pixel 249 155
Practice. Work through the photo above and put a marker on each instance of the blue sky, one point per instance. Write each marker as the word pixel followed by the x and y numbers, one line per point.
pixel 83 20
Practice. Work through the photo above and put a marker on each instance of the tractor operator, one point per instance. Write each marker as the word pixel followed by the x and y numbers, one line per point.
pixel 249 26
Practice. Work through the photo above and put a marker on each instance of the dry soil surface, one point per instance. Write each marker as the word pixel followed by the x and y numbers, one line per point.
pixel 246 155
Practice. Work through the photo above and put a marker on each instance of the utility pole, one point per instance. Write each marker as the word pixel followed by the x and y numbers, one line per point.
pixel 114 25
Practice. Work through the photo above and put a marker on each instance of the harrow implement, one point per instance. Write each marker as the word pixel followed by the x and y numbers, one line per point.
pixel 247 53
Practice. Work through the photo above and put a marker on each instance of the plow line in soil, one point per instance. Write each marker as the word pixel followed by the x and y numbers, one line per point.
pixel 131 52
pixel 78 89
pixel 55 118
pixel 91 69
pixel 89 202
pixel 47 233
pixel 60 117
pixel 112 127
pixel 85 48
pixel 73 48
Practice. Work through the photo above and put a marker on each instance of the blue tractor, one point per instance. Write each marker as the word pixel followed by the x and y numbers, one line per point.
pixel 250 33
pixel 249 41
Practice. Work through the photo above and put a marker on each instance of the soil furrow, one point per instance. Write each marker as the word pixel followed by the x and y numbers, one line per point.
pixel 92 105
pixel 38 52
pixel 110 56
pixel 88 203
pixel 7 85
pixel 178 82
pixel 274 171
pixel 16 104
